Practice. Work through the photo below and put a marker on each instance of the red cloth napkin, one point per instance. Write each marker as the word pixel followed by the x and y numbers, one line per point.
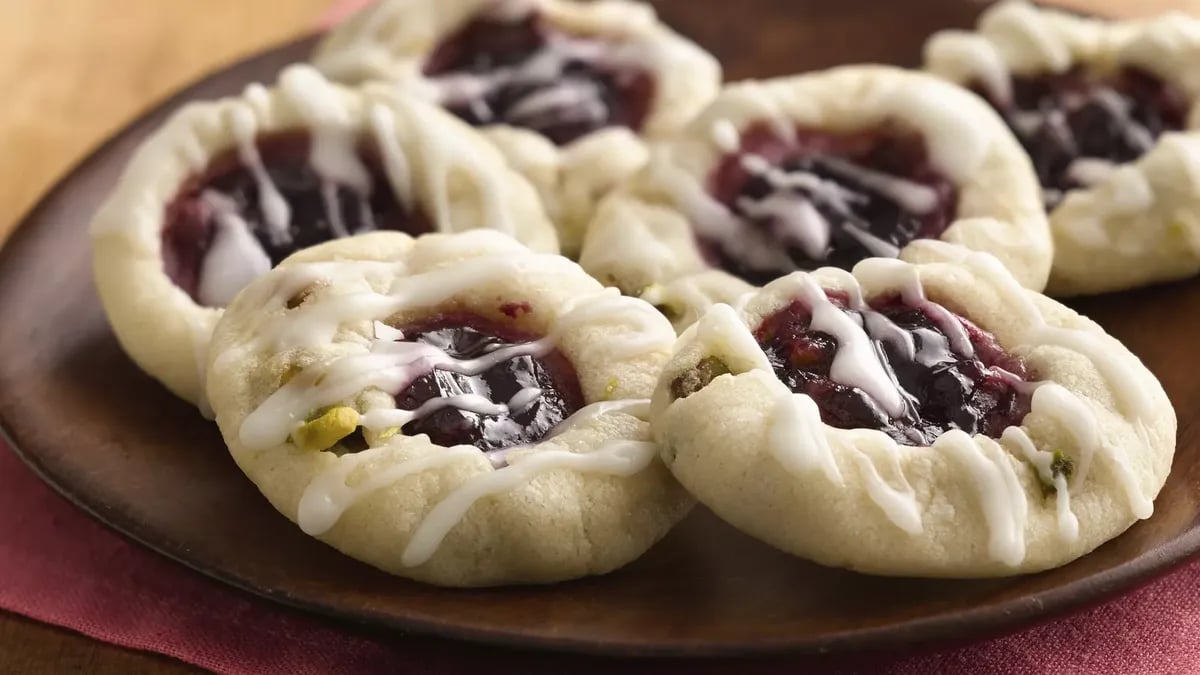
pixel 59 566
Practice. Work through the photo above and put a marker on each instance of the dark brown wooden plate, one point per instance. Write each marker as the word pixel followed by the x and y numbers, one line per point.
pixel 121 447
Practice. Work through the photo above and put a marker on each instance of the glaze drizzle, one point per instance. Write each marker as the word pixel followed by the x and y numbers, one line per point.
pixel 635 329
pixel 802 443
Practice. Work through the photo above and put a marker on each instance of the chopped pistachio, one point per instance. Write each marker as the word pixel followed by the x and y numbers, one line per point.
pixel 697 378
pixel 1061 464
pixel 610 388
pixel 325 430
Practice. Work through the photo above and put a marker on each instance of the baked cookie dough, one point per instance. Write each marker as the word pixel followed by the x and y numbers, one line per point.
pixel 226 189
pixel 455 409
pixel 933 419
pixel 1105 110
pixel 569 91
pixel 819 169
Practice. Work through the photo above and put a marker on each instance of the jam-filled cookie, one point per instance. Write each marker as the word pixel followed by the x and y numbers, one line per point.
pixel 456 409
pixel 1103 109
pixel 819 169
pixel 227 189
pixel 934 419
pixel 567 90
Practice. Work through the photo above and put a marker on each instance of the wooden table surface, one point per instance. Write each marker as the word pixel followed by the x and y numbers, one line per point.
pixel 74 71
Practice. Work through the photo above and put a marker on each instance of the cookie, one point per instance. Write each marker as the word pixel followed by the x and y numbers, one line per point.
pixel 456 409
pixel 825 168
pixel 1106 111
pixel 569 91
pixel 226 189
pixel 931 419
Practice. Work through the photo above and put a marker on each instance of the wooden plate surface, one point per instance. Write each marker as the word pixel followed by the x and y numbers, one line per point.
pixel 121 447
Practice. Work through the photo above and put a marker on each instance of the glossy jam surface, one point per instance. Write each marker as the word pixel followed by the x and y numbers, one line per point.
pixel 313 202
pixel 523 72
pixel 1062 118
pixel 466 336
pixel 942 388
pixel 827 199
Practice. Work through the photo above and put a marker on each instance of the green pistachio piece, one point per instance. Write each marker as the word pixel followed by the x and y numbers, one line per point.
pixel 697 378
pixel 325 430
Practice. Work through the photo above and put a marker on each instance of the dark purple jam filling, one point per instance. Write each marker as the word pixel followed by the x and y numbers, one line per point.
pixel 1060 118
pixel 822 172
pixel 526 73
pixel 942 388
pixel 467 336
pixel 191 220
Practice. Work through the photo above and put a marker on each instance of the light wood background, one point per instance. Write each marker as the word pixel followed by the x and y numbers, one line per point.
pixel 72 72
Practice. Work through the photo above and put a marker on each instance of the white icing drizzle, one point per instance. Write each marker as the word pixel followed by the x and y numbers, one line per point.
pixel 329 495
pixel 1016 36
pixel 900 505
pixel 572 100
pixel 911 196
pixel 1136 134
pixel 874 244
pixel 447 154
pixel 384 418
pixel 235 257
pixel 1001 495
pixel 798 439
pixel 201 334
pixel 277 214
pixel 555 93
pixel 906 277
pixel 725 135
pixel 1129 390
pixel 795 220
pixel 616 458
pixel 395 162
pixel 1068 524
pixel 333 154
pixel 1085 171
pixel 790 209
pixel 635 407
pixel 1088 171
pixel 382 331
pixel 333 207
pixel 799 443
pixel 389 365
pixel 713 220
pixel 855 363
